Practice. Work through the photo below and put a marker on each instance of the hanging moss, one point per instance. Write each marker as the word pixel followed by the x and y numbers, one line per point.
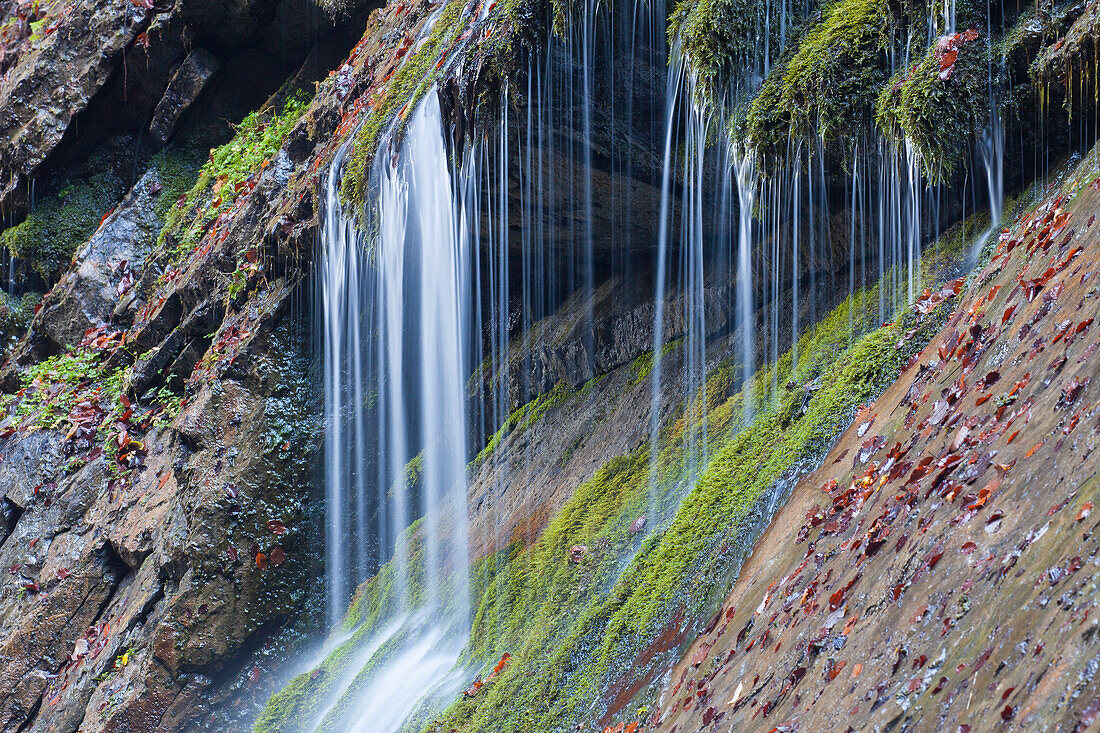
pixel 724 41
pixel 938 117
pixel 830 83
pixel 766 124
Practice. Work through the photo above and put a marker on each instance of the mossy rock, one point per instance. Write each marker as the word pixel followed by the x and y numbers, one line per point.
pixel 517 27
pixel 939 117
pixel 53 232
pixel 199 195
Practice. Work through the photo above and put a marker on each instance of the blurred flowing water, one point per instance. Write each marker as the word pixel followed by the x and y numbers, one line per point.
pixel 605 163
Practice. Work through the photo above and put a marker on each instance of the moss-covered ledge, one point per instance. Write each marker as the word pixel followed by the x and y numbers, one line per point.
pixel 449 47
pixel 829 84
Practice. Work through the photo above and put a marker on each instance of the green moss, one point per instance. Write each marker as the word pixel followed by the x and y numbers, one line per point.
pixel 226 176
pixel 830 83
pixel 642 367
pixel 177 168
pixel 938 117
pixel 52 233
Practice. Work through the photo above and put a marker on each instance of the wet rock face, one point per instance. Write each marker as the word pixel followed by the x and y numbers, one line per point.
pixel 118 66
pixel 156 596
pixel 103 270
pixel 49 85
pixel 939 569
pixel 183 89
pixel 129 593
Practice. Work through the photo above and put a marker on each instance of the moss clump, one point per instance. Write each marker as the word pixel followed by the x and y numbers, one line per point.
pixel 766 123
pixel 228 174
pixel 642 367
pixel 725 41
pixel 52 233
pixel 830 83
pixel 938 116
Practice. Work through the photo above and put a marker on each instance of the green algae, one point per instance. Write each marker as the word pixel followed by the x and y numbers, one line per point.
pixel 523 417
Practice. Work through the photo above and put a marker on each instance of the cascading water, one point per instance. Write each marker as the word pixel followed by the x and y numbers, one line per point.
pixel 470 247
pixel 992 150
pixel 396 332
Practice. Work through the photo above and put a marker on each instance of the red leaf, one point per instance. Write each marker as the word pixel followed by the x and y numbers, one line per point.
pixel 261 561
pixel 276 527
pixel 278 556
pixel 1086 510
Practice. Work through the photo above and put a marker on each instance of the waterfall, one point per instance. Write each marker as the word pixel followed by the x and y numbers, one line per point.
pixel 991 148
pixel 396 332
pixel 746 184
pixel 473 285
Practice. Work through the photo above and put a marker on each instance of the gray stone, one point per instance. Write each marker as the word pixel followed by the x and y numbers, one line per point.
pixel 86 297
pixel 184 88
